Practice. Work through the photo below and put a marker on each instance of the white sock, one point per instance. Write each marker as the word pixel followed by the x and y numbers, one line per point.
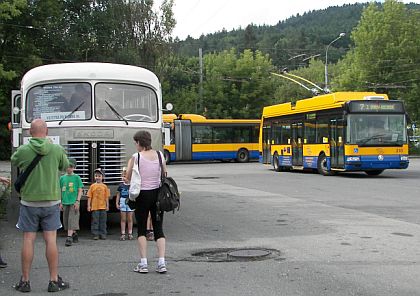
pixel 143 261
pixel 161 260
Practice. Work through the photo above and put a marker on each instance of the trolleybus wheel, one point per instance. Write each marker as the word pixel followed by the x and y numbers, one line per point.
pixel 167 156
pixel 276 163
pixel 322 166
pixel 374 172
pixel 243 155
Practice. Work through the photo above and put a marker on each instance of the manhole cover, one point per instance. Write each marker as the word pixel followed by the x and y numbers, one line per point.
pixel 205 178
pixel 231 255
pixel 250 254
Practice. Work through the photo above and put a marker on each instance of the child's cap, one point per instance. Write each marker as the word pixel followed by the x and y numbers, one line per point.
pixel 99 170
pixel 72 162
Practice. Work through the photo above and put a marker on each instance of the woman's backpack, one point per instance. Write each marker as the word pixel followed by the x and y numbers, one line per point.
pixel 168 195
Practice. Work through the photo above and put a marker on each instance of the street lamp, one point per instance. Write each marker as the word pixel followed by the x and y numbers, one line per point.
pixel 326 59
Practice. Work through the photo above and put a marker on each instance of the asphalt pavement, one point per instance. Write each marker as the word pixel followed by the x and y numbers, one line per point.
pixel 244 229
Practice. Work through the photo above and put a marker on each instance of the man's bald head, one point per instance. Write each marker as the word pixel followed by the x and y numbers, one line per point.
pixel 38 128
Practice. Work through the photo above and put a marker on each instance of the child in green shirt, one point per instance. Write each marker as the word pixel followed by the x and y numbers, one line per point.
pixel 71 192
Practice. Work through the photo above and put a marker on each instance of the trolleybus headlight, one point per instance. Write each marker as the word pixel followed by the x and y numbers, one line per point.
pixel 404 157
pixel 353 158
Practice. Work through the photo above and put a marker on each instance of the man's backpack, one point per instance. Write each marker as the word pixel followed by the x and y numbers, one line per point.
pixel 168 195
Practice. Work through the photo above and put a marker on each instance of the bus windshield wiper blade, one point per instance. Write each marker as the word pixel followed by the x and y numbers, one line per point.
pixel 365 140
pixel 71 113
pixel 116 113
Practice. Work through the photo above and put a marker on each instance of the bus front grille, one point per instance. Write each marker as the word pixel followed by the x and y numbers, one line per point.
pixel 90 155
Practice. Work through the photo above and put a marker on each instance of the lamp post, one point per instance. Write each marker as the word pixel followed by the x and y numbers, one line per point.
pixel 326 59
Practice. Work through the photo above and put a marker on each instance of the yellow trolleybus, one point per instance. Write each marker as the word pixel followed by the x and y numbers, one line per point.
pixel 343 131
pixel 194 137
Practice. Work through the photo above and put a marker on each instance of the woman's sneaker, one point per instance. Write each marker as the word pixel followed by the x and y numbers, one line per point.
pixel 23 286
pixel 161 268
pixel 141 268
pixel 59 285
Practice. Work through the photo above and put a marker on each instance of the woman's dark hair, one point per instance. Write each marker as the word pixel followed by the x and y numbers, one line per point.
pixel 144 139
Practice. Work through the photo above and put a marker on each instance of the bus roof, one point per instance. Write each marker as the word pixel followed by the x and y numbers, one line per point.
pixel 323 102
pixel 201 119
pixel 89 71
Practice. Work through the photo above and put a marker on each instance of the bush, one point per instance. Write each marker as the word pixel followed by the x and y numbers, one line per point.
pixel 4 196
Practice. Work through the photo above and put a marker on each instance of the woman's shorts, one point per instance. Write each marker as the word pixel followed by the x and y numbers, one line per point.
pixel 124 206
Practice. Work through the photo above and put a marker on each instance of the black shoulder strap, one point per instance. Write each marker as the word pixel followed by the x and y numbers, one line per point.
pixel 31 166
pixel 138 161
pixel 162 173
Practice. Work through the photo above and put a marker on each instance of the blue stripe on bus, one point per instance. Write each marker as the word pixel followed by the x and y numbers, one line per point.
pixel 253 154
pixel 372 162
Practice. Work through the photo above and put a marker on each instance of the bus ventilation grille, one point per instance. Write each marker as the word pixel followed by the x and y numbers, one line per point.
pixel 108 155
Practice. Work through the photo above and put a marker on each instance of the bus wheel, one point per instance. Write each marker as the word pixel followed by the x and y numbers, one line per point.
pixel 167 156
pixel 242 156
pixel 276 163
pixel 374 172
pixel 322 166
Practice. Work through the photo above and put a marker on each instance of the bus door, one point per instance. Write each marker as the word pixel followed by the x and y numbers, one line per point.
pixel 297 144
pixel 266 144
pixel 337 142
pixel 183 139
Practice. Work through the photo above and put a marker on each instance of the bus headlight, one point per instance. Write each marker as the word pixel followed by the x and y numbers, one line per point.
pixel 404 157
pixel 353 158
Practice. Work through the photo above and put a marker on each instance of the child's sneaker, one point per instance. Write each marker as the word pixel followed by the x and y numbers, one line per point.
pixel 59 285
pixel 2 263
pixel 141 268
pixel 75 238
pixel 69 241
pixel 23 286
pixel 102 236
pixel 96 237
pixel 130 236
pixel 161 268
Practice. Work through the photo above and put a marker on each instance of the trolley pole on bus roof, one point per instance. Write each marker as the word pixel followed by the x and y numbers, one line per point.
pixel 326 59
pixel 200 55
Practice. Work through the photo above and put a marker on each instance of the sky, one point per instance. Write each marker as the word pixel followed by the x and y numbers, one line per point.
pixel 196 17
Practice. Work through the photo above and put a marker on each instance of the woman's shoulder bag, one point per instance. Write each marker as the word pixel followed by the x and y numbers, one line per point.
pixel 168 195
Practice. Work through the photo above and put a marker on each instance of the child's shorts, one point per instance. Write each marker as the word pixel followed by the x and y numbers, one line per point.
pixel 70 217
pixel 124 206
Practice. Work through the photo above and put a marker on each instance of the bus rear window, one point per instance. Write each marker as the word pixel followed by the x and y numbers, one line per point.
pixel 53 102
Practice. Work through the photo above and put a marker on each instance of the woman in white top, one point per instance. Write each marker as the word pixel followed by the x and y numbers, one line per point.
pixel 150 173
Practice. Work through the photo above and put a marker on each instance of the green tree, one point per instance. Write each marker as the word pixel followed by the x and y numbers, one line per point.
pixel 236 85
pixel 385 54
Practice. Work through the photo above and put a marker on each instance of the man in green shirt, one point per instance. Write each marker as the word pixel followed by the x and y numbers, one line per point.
pixel 40 200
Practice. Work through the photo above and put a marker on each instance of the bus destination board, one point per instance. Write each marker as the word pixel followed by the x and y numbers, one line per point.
pixel 376 106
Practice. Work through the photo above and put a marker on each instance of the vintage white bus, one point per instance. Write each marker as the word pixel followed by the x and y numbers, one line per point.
pixel 92 110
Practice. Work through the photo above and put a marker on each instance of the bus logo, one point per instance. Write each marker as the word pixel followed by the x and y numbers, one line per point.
pixel 380 157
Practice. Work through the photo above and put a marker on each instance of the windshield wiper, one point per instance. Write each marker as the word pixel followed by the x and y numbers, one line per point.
pixel 116 113
pixel 71 113
pixel 365 140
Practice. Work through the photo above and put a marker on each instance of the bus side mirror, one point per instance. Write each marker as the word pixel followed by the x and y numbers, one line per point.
pixel 168 107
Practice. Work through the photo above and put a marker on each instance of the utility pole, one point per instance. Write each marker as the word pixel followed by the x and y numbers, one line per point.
pixel 200 56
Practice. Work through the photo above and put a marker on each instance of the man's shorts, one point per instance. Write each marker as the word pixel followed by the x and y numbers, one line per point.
pixel 33 219
pixel 70 217
pixel 124 206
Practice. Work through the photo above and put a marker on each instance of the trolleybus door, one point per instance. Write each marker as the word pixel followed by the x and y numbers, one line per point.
pixel 297 144
pixel 266 144
pixel 183 139
pixel 337 142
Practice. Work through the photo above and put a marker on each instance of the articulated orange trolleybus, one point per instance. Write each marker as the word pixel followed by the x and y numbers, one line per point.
pixel 337 132
pixel 194 137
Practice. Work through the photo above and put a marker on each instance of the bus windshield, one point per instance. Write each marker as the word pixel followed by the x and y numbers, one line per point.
pixel 376 129
pixel 131 102
pixel 53 102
